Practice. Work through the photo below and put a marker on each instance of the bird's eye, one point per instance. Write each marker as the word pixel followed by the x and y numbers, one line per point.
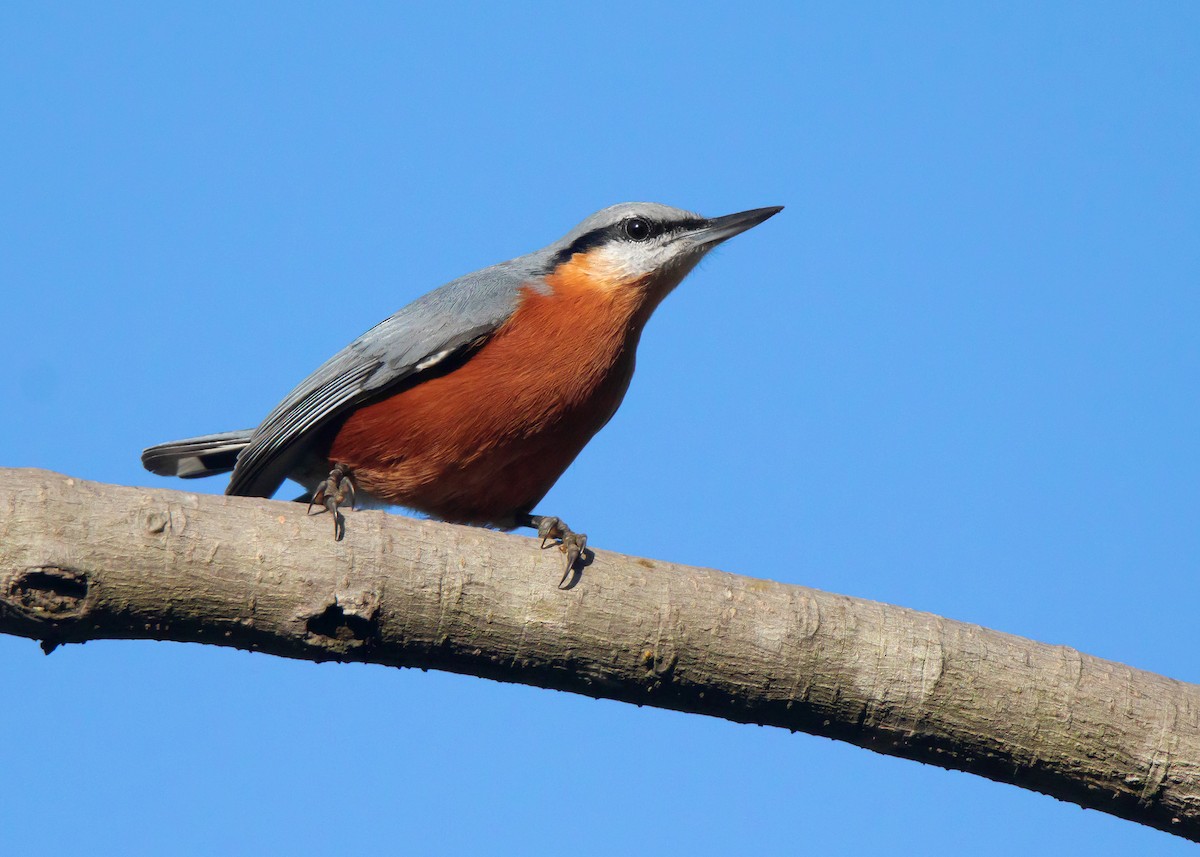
pixel 637 228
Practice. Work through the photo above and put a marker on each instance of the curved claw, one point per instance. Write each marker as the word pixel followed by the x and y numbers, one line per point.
pixel 571 543
pixel 549 527
pixel 331 494
pixel 331 503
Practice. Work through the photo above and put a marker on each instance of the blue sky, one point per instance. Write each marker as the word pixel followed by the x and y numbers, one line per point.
pixel 958 373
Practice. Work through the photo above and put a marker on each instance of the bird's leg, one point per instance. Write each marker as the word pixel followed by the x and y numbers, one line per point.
pixel 332 493
pixel 569 542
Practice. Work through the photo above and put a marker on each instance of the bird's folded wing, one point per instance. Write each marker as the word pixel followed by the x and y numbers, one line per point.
pixel 399 349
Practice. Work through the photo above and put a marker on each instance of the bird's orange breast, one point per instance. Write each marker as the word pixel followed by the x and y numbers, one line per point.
pixel 484 442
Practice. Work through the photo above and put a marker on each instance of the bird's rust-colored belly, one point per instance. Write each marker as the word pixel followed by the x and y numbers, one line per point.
pixel 484 442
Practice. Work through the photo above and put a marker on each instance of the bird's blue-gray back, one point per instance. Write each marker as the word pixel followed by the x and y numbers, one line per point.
pixel 408 343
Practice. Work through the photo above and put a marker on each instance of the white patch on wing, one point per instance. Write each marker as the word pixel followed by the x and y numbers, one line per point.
pixel 434 359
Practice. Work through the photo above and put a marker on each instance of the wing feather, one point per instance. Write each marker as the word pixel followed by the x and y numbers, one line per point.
pixel 398 349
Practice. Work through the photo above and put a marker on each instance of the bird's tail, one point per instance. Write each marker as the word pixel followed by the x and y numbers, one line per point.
pixel 197 456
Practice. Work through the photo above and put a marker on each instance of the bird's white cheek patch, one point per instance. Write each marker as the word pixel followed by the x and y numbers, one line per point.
pixel 621 264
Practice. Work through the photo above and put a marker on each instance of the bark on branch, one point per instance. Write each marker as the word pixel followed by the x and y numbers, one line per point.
pixel 83 561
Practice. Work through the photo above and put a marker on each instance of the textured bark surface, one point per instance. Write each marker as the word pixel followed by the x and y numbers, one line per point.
pixel 83 561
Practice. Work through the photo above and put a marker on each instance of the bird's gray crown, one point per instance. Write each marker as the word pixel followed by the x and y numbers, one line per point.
pixel 614 214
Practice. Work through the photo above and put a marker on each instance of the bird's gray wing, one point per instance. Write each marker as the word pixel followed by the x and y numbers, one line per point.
pixel 401 348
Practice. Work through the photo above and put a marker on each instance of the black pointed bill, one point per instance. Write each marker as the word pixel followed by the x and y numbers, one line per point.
pixel 717 229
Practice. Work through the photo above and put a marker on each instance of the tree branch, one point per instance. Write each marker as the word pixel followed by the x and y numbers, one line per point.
pixel 83 561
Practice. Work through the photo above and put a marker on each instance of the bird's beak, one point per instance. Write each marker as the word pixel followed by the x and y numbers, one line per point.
pixel 717 229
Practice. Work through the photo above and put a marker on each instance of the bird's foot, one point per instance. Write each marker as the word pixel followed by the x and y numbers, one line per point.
pixel 571 543
pixel 331 494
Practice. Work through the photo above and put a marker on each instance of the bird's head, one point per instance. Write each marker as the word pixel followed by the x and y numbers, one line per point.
pixel 642 247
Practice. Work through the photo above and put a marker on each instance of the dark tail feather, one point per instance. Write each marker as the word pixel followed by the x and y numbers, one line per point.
pixel 197 456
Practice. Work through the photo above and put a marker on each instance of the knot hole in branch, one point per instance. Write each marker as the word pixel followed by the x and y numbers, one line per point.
pixel 50 591
pixel 349 628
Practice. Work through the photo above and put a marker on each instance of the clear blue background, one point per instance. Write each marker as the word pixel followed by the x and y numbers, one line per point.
pixel 959 373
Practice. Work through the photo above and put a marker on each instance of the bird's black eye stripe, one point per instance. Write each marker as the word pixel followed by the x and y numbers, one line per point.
pixel 688 224
pixel 628 229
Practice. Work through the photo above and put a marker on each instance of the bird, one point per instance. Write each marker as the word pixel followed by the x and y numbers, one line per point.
pixel 470 402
